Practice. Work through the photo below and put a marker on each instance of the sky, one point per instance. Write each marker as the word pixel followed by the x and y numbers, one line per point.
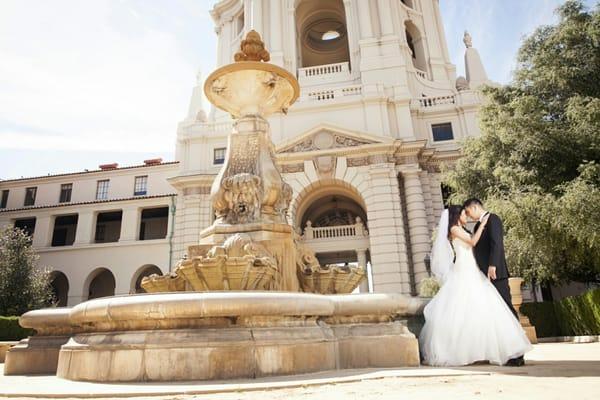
pixel 84 83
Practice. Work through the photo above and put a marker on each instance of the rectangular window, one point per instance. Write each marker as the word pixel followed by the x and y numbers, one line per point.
pixel 65 227
pixel 4 200
pixel 442 132
pixel 30 196
pixel 154 222
pixel 219 156
pixel 102 190
pixel 140 188
pixel 108 226
pixel 65 193
pixel 26 224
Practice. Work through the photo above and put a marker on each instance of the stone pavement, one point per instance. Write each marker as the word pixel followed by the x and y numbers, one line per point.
pixel 554 371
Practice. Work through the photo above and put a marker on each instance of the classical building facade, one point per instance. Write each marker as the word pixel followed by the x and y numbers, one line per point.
pixel 380 110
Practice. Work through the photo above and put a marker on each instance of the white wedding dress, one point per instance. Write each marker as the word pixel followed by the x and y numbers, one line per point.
pixel 468 321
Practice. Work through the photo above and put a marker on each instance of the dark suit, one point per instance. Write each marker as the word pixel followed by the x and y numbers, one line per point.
pixel 490 251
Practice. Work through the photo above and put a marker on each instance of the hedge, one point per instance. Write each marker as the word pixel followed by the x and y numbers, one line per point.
pixel 11 330
pixel 571 316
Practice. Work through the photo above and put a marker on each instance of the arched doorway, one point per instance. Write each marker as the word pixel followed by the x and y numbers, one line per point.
pixel 322 33
pixel 60 288
pixel 333 221
pixel 100 283
pixel 143 271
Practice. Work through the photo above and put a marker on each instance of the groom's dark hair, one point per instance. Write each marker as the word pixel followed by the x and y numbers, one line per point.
pixel 472 201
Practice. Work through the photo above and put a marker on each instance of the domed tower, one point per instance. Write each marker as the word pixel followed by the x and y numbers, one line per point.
pixel 380 109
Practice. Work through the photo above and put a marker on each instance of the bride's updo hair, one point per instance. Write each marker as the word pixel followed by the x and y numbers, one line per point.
pixel 453 217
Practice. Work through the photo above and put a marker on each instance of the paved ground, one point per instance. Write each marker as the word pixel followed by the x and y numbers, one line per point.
pixel 554 371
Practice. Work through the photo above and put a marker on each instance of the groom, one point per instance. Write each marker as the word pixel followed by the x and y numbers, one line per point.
pixel 489 253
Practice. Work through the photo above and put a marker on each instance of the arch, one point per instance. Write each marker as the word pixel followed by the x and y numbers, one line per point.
pixel 60 288
pixel 143 271
pixel 322 32
pixel 99 283
pixel 321 189
pixel 414 40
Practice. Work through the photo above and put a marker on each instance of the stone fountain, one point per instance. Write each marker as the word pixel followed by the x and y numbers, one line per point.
pixel 250 300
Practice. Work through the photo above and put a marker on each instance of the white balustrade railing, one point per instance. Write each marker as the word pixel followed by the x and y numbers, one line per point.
pixel 437 101
pixel 332 232
pixel 330 94
pixel 420 73
pixel 322 74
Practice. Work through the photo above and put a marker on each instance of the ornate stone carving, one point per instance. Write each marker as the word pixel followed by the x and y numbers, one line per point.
pixel 292 168
pixel 252 49
pixel 239 264
pixel 462 84
pixel 240 201
pixel 357 161
pixel 467 40
pixel 324 140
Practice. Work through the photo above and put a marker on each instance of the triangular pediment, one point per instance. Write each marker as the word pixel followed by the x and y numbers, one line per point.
pixel 324 136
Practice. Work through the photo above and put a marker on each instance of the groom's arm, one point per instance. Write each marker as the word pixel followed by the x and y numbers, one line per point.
pixel 496 234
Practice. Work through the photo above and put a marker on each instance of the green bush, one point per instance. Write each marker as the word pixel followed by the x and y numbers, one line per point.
pixel 11 330
pixel 571 316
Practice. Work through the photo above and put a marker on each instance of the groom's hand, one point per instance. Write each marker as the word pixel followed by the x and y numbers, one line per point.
pixel 491 273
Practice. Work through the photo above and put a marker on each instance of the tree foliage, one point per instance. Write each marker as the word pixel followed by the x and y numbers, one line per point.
pixel 537 162
pixel 23 286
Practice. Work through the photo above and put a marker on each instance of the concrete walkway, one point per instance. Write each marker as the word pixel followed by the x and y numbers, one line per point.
pixel 553 371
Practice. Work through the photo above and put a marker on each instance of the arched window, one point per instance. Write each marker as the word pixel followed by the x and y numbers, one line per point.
pixel 323 36
pixel 99 283
pixel 60 288
pixel 416 46
pixel 141 273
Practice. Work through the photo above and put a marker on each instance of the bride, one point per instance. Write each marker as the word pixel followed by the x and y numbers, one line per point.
pixel 467 321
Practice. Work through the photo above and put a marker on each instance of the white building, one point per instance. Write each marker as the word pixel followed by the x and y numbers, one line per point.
pixel 380 109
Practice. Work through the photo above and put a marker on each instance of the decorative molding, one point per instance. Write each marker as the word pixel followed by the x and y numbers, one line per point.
pixel 323 140
pixel 292 168
pixel 196 190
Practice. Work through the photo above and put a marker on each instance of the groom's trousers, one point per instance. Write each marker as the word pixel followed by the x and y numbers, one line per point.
pixel 504 290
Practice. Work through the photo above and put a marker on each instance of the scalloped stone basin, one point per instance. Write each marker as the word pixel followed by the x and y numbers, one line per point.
pixel 225 335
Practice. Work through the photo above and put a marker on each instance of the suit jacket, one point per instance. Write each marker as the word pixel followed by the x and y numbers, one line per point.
pixel 490 248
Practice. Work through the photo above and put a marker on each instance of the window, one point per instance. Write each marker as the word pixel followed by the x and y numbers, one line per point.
pixel 65 227
pixel 26 224
pixel 65 193
pixel 154 223
pixel 108 227
pixel 219 156
pixel 4 200
pixel 102 190
pixel 141 185
pixel 30 196
pixel 442 132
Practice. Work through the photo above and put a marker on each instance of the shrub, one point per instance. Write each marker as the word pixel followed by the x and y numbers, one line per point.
pixel 571 316
pixel 11 330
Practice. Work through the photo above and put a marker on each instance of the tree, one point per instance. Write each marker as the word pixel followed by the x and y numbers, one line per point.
pixel 23 286
pixel 537 161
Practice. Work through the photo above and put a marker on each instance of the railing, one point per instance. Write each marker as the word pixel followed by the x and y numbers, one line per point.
pixel 437 101
pixel 331 232
pixel 327 73
pixel 329 94
pixel 421 73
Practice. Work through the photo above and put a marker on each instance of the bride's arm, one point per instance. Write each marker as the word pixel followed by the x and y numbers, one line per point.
pixel 465 237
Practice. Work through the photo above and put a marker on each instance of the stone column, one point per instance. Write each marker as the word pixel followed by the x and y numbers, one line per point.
pixel 42 235
pixel 389 262
pixel 85 227
pixel 130 224
pixel 361 256
pixel 364 19
pixel 385 17
pixel 417 222
pixel 257 22
pixel 276 32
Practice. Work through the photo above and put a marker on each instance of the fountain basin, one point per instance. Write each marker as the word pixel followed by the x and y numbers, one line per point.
pixel 226 335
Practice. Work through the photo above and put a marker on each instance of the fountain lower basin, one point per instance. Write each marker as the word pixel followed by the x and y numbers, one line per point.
pixel 226 335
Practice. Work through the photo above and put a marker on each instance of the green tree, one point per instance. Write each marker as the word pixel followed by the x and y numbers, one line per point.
pixel 23 286
pixel 537 161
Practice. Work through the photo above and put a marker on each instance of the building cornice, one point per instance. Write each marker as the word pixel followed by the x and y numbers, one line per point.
pixel 95 171
pixel 65 205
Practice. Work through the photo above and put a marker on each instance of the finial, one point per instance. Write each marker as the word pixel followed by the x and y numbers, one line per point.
pixel 468 40
pixel 252 49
